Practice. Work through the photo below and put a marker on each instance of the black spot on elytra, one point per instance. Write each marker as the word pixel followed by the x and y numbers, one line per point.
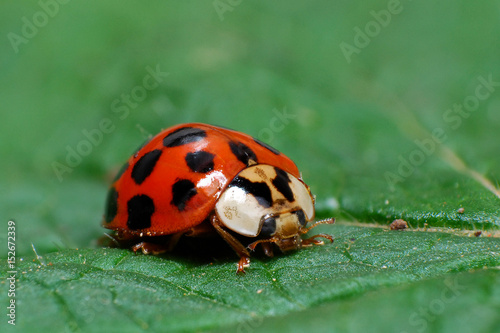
pixel 183 136
pixel 182 191
pixel 143 168
pixel 265 145
pixel 282 184
pixel 200 161
pixel 242 152
pixel 268 227
pixel 111 205
pixel 301 216
pixel 140 209
pixel 259 190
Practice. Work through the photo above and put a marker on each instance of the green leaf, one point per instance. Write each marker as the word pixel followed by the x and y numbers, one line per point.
pixel 88 290
pixel 437 305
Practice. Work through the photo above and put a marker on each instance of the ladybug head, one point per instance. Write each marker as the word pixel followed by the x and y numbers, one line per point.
pixel 288 230
pixel 284 229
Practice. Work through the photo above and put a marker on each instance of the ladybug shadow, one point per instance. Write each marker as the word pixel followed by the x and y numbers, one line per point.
pixel 195 251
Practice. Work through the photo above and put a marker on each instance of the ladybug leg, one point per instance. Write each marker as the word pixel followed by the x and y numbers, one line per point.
pixel 268 249
pixel 234 243
pixel 243 263
pixel 266 245
pixel 148 248
pixel 313 241
pixel 158 248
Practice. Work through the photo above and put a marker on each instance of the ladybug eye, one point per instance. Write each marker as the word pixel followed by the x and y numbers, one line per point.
pixel 268 227
pixel 301 217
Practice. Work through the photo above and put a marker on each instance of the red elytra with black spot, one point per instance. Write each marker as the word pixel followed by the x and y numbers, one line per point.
pixel 173 182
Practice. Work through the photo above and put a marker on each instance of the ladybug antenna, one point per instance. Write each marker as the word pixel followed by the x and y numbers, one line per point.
pixel 315 224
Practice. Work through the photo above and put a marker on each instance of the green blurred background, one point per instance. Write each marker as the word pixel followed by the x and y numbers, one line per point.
pixel 244 64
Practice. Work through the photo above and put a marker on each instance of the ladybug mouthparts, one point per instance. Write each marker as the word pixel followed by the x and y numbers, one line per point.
pixel 289 244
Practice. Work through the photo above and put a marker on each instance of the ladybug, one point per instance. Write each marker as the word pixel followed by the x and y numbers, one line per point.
pixel 197 179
